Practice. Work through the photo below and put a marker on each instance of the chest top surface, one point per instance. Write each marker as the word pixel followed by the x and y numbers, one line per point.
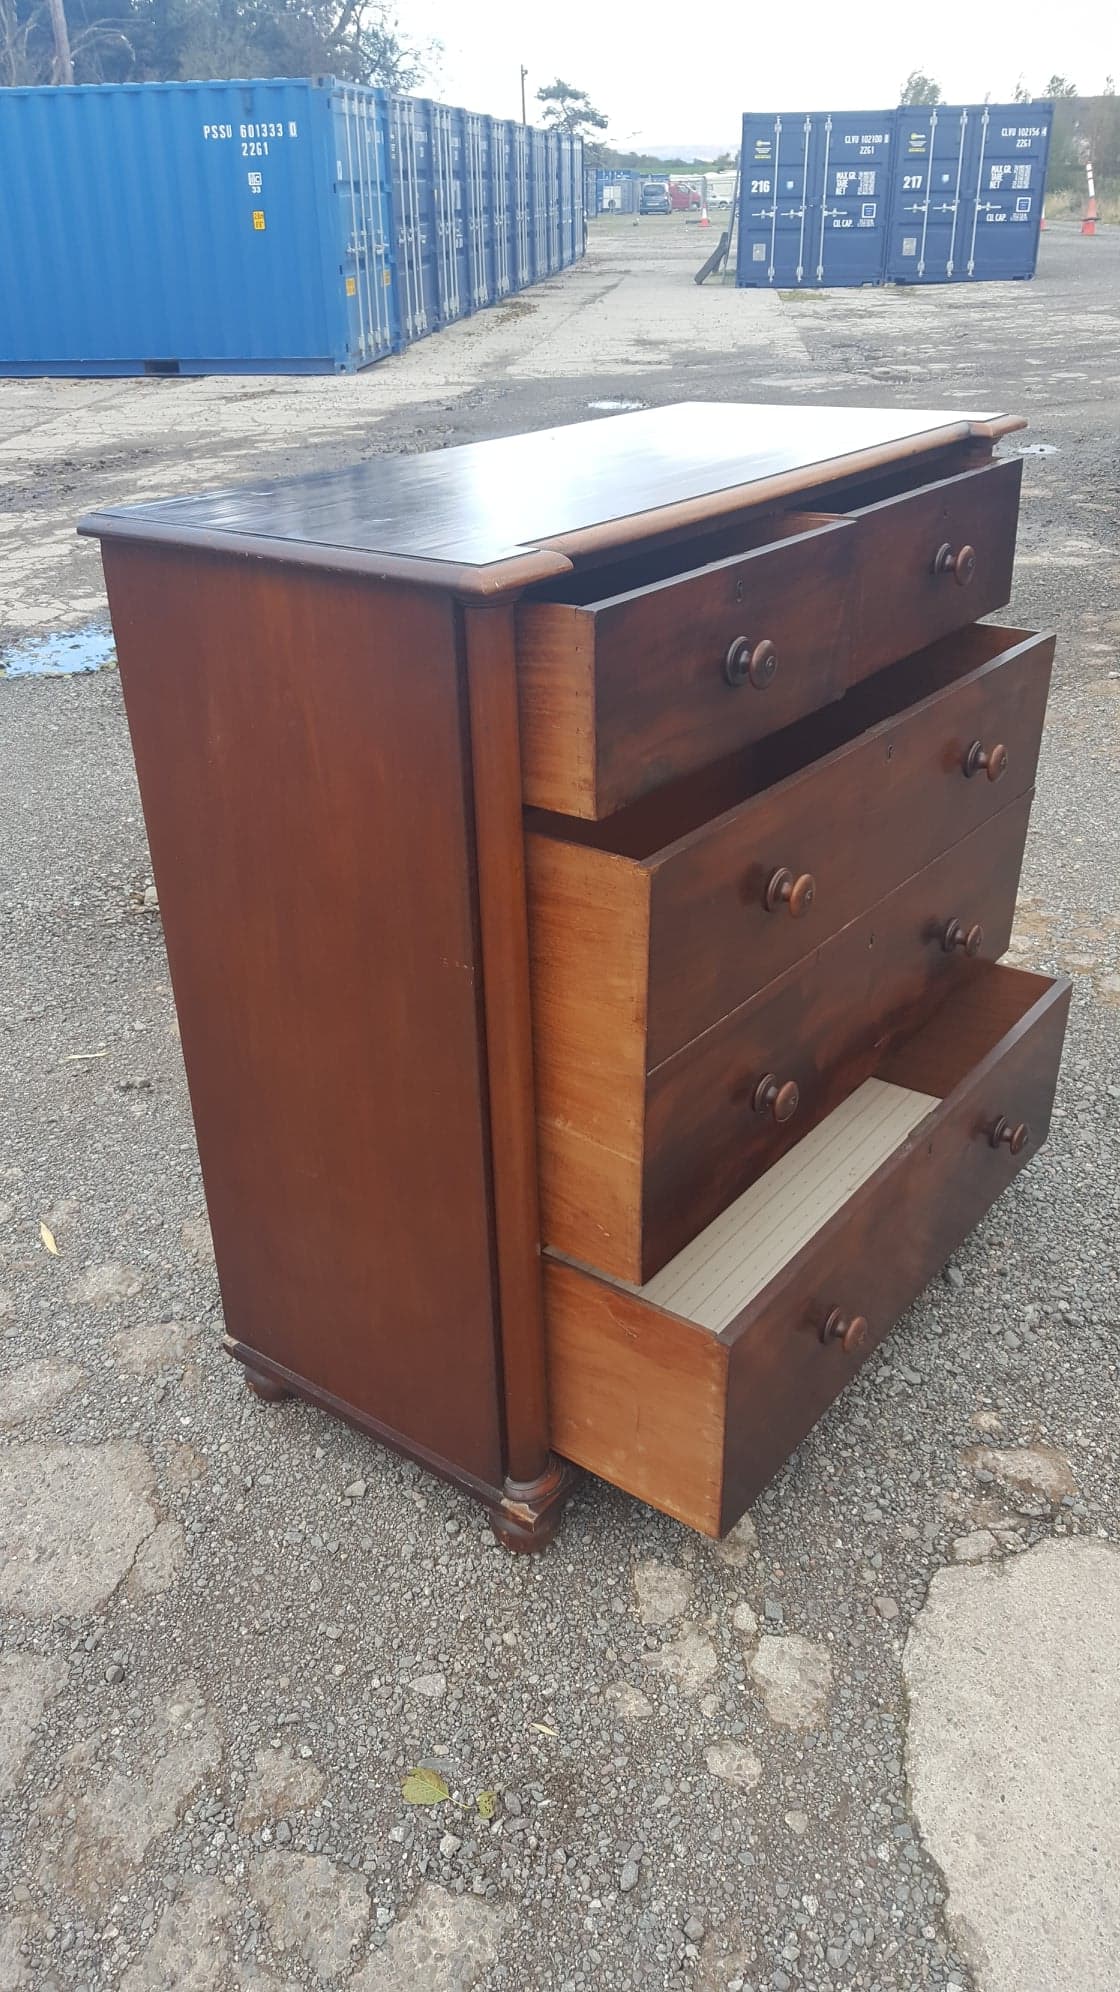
pixel 491 517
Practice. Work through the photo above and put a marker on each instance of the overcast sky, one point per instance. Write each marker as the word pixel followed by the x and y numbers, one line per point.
pixel 678 72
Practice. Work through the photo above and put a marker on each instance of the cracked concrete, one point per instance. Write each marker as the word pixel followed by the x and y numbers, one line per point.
pixel 1014 1767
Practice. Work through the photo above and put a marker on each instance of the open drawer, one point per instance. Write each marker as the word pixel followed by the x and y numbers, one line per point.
pixel 624 690
pixel 691 1391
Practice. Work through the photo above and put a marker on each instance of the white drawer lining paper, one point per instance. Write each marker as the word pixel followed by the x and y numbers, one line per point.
pixel 713 1279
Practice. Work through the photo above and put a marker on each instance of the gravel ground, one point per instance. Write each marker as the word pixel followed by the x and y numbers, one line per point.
pixel 230 1631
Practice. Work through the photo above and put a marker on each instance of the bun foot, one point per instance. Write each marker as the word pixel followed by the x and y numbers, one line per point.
pixel 266 1387
pixel 530 1510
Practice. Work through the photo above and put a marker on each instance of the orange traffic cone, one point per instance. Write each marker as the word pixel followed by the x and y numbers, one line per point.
pixel 704 221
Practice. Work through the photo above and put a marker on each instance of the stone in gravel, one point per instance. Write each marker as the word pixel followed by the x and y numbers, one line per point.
pixel 154 1346
pixel 663 1592
pixel 431 1685
pixel 7 1304
pixel 631 1703
pixel 974 1547
pixel 629 1877
pixel 196 1238
pixel 279 1784
pixel 739 1545
pixel 75 1518
pixel 27 1684
pixel 693 1929
pixel 159 1560
pixel 190 1951
pixel 98 1825
pixel 449 1845
pixel 312 1906
pixel 745 1621
pixel 734 1762
pixel 355 1491
pixel 887 1608
pixel 795 1676
pixel 36 1387
pixel 690 1661
pixel 13 1973
pixel 442 1944
pixel 107 1285
pixel 798 1822
pixel 1038 1469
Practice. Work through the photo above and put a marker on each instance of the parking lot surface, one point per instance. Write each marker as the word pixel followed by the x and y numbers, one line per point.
pixel 867 1742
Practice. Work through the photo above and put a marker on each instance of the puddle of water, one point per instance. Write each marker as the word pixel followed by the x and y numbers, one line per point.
pixel 61 654
pixel 616 407
pixel 1039 449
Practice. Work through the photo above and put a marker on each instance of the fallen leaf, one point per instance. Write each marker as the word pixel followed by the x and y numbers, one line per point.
pixel 545 1728
pixel 487 1802
pixel 424 1787
pixel 47 1236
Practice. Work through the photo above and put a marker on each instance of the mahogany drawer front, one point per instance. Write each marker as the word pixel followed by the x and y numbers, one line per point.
pixel 931 560
pixel 634 1163
pixel 622 695
pixel 696 1419
pixel 729 905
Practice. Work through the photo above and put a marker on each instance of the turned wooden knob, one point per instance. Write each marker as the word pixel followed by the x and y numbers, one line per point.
pixel 756 661
pixel 782 1101
pixel 961 565
pixel 850 1332
pixel 992 759
pixel 969 939
pixel 786 890
pixel 1004 1135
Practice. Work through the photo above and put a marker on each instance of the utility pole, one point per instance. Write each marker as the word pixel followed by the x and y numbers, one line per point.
pixel 62 59
pixel 524 74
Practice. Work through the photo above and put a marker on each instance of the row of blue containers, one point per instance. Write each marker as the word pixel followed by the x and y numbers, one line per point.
pixel 263 227
pixel 923 194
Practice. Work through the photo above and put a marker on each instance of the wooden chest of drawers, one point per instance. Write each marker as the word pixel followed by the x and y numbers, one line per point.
pixel 585 860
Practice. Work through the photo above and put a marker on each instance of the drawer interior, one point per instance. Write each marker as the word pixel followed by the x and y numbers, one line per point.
pixel 714 1279
pixel 598 587
pixel 643 830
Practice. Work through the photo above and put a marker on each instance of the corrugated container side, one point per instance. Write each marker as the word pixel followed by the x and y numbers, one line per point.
pixel 95 180
pixel 814 198
pixel 501 153
pixel 522 193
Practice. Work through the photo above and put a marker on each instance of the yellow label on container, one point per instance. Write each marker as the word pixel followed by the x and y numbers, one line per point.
pixel 351 286
pixel 386 278
pixel 258 219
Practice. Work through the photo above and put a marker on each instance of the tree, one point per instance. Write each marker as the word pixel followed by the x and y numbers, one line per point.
pixel 571 110
pixel 1058 87
pixel 920 89
pixel 175 40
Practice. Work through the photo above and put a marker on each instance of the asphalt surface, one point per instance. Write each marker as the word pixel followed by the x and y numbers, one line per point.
pixel 230 1631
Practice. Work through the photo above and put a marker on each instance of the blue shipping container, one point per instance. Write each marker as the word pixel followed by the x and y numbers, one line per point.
pixel 813 198
pixel 968 191
pixel 922 194
pixel 248 227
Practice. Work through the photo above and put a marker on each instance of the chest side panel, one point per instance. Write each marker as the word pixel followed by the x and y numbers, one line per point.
pixel 300 743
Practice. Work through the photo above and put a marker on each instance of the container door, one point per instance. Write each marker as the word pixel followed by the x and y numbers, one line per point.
pixel 521 195
pixel 854 150
pixel 500 223
pixel 362 185
pixel 776 241
pixel 929 187
pixel 480 215
pixel 411 162
pixel 451 213
pixel 1010 147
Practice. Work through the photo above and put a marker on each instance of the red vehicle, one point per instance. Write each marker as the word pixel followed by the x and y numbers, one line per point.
pixel 682 197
